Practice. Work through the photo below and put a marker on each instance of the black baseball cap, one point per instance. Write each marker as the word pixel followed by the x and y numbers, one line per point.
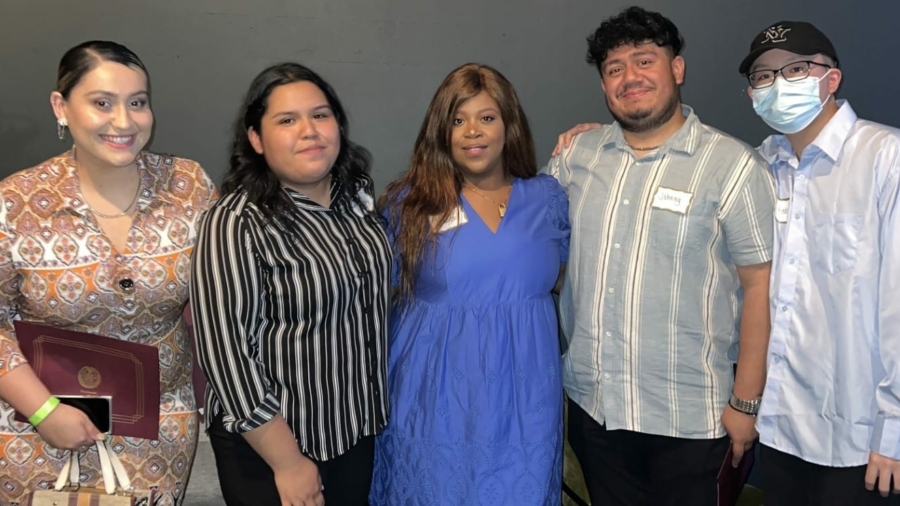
pixel 794 36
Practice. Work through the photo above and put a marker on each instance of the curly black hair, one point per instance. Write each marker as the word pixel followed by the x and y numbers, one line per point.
pixel 633 26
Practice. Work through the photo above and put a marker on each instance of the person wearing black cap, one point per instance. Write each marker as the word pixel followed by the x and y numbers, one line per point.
pixel 829 421
pixel 793 72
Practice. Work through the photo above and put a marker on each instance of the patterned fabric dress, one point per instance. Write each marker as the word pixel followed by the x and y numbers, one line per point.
pixel 58 268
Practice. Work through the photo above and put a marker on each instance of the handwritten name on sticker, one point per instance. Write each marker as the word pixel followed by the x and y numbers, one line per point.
pixel 672 200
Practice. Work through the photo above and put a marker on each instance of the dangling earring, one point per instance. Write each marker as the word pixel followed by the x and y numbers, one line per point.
pixel 61 125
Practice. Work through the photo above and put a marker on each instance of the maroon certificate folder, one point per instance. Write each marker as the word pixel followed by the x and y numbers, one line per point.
pixel 731 479
pixel 81 364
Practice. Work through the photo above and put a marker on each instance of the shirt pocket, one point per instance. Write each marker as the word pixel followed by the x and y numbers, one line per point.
pixel 677 234
pixel 836 241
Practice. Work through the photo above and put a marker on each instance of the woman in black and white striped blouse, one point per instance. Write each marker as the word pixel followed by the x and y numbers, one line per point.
pixel 289 297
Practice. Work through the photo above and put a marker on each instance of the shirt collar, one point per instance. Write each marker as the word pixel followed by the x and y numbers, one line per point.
pixel 830 140
pixel 338 198
pixel 685 140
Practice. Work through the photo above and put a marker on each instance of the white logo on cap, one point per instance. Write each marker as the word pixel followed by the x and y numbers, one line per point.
pixel 776 34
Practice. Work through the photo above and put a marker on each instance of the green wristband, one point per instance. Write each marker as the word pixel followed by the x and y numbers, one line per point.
pixel 44 411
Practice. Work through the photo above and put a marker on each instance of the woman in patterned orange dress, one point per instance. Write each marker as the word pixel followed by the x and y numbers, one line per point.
pixel 99 239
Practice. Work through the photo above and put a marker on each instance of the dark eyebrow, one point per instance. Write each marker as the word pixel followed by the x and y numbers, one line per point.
pixel 113 95
pixel 800 59
pixel 639 54
pixel 293 112
pixel 756 67
pixel 631 56
pixel 486 109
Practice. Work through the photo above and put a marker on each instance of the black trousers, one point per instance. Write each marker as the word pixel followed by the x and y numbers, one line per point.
pixel 634 469
pixel 790 481
pixel 247 480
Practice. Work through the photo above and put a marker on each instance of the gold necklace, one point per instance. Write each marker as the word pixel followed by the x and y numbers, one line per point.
pixel 651 148
pixel 501 206
pixel 124 211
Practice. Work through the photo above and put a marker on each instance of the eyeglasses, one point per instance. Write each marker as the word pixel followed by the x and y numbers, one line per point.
pixel 796 71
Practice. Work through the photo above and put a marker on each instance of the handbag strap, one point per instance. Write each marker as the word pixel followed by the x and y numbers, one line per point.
pixel 65 475
pixel 110 467
pixel 118 468
pixel 109 477
pixel 70 473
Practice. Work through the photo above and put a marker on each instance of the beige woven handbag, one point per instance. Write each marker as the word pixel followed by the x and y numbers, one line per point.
pixel 116 491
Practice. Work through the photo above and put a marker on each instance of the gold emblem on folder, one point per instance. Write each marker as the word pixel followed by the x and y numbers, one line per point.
pixel 88 377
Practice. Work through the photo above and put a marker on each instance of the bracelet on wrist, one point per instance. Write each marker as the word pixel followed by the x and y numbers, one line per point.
pixel 44 411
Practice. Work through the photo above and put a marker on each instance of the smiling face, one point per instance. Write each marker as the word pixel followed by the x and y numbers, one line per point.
pixel 299 135
pixel 478 136
pixel 641 85
pixel 108 114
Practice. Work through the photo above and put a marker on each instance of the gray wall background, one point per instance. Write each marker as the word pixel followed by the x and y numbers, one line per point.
pixel 386 58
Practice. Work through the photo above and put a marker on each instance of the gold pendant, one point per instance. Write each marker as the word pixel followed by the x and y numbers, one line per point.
pixel 502 209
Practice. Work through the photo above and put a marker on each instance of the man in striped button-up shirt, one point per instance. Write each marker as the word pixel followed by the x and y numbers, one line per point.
pixel 668 273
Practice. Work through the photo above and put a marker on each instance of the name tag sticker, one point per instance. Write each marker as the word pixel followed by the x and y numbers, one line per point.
pixel 456 219
pixel 672 200
pixel 782 208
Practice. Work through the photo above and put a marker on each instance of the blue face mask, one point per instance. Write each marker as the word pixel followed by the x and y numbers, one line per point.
pixel 789 106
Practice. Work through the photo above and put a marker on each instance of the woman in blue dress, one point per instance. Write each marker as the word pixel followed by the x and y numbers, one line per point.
pixel 480 240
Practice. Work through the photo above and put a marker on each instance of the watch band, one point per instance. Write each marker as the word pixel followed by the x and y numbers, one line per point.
pixel 748 407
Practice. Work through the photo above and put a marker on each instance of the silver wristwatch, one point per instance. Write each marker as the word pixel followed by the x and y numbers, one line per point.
pixel 744 406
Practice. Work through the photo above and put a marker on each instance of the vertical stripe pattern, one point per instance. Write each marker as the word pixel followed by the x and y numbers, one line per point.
pixel 652 297
pixel 290 318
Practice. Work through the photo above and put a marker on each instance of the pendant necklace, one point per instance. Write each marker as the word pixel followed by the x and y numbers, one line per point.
pixel 501 206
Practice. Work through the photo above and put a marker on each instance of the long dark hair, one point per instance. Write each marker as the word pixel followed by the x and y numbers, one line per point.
pixel 432 184
pixel 248 169
pixel 81 59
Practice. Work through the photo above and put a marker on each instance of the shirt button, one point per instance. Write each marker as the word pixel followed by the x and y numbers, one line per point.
pixel 777 359
pixel 797 216
pixel 617 245
pixel 626 202
pixel 801 176
pixel 606 376
pixel 791 261
pixel 611 290
pixel 784 308
pixel 609 334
